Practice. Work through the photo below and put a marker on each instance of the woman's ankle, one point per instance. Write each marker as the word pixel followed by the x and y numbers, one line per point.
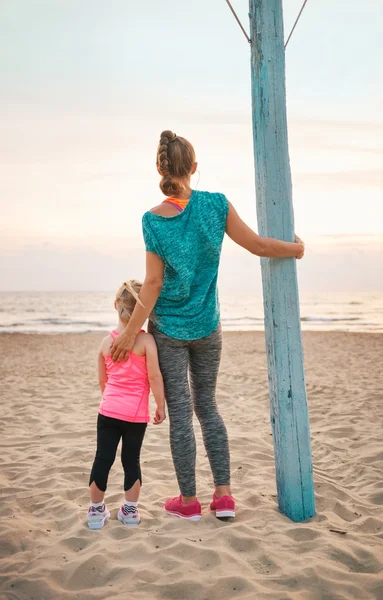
pixel 222 490
pixel 188 499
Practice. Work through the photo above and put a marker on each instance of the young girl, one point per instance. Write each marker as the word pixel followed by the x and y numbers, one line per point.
pixel 124 412
pixel 183 237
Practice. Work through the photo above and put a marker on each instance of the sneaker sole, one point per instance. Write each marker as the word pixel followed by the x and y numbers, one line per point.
pixel 98 524
pixel 121 519
pixel 222 514
pixel 191 518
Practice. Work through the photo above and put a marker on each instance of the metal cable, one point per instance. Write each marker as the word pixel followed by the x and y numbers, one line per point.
pixel 244 30
pixel 238 21
pixel 296 23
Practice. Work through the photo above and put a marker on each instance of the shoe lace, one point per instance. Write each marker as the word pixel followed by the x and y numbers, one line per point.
pixel 129 510
pixel 96 509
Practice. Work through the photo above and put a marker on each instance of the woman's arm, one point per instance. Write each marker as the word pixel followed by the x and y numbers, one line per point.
pixel 242 235
pixel 151 289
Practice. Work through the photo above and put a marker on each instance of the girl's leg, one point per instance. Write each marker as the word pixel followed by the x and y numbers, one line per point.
pixel 108 437
pixel 205 357
pixel 132 439
pixel 96 495
pixel 174 357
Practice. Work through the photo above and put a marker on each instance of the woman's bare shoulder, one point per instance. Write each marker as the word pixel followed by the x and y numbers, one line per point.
pixel 156 209
pixel 164 210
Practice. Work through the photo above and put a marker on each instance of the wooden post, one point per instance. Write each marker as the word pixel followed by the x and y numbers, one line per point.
pixel 288 404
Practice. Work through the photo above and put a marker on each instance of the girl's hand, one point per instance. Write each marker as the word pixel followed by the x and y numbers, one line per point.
pixel 301 252
pixel 121 347
pixel 159 416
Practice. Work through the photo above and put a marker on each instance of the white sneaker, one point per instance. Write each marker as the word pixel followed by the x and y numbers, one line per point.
pixel 128 515
pixel 98 516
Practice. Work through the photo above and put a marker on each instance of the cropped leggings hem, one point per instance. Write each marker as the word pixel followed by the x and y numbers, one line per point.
pixel 109 433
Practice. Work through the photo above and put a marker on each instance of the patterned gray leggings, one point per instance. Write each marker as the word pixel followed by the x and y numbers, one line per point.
pixel 200 360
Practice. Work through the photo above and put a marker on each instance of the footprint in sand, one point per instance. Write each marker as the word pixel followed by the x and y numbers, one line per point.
pixel 239 474
pixel 258 566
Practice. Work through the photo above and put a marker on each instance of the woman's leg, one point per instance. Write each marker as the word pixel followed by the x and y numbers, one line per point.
pixel 132 438
pixel 108 437
pixel 205 357
pixel 174 357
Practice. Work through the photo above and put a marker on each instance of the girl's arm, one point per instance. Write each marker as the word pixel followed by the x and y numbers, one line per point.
pixel 149 293
pixel 242 235
pixel 102 377
pixel 155 378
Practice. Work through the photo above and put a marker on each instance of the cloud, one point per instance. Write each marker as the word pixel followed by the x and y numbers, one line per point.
pixel 343 179
pixel 47 267
pixel 332 263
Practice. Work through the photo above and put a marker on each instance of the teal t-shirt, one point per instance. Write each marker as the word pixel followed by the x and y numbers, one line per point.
pixel 190 245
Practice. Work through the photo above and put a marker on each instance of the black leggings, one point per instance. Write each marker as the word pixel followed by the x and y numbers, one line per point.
pixel 109 433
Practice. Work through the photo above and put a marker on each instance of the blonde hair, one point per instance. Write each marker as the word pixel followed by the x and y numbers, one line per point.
pixel 126 298
pixel 175 160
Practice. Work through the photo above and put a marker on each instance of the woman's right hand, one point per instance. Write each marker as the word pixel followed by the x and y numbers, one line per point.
pixel 121 347
pixel 301 251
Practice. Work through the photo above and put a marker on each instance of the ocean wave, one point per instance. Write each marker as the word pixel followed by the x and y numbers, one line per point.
pixel 329 319
pixel 69 322
pixel 73 313
pixel 255 320
pixel 53 331
pixel 33 323
pixel 237 319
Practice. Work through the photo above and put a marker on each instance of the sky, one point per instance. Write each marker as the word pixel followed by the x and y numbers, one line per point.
pixel 88 86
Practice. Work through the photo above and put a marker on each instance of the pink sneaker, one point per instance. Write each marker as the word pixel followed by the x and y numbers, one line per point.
pixel 175 506
pixel 223 507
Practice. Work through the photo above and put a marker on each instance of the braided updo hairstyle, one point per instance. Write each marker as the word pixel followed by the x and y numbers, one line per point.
pixel 126 299
pixel 175 160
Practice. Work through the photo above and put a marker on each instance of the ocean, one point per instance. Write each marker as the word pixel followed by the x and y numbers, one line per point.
pixel 81 312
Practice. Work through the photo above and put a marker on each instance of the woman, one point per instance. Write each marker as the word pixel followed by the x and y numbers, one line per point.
pixel 183 237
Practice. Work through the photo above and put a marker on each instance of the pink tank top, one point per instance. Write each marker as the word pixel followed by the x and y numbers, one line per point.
pixel 126 394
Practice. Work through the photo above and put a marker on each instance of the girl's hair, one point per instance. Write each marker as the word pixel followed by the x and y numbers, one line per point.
pixel 126 299
pixel 175 159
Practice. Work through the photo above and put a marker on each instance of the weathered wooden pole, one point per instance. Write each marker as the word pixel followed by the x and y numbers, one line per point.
pixel 288 403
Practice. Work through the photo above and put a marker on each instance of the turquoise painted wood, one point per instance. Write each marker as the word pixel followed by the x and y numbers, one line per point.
pixel 288 403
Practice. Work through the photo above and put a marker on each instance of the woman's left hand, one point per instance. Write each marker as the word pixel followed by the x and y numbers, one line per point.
pixel 121 347
pixel 299 241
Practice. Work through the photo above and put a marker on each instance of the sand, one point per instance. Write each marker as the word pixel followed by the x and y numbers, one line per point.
pixel 49 401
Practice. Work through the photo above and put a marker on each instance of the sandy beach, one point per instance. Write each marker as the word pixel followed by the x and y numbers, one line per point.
pixel 47 423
